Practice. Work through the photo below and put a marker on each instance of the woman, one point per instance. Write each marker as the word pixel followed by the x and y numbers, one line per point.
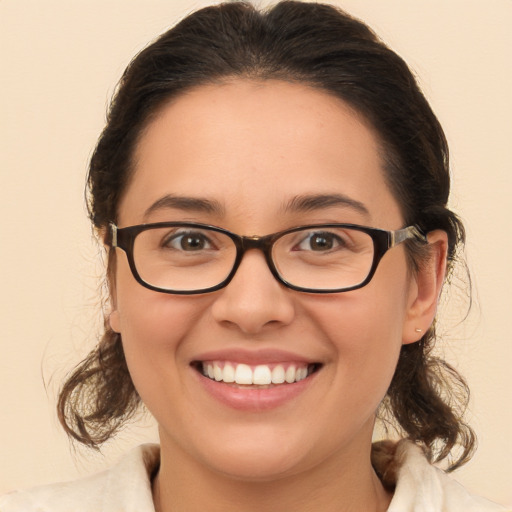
pixel 272 190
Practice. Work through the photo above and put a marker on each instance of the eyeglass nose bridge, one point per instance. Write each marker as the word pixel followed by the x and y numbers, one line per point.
pixel 260 243
pixel 254 242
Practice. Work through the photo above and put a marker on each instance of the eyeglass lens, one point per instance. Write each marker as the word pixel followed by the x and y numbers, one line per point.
pixel 185 258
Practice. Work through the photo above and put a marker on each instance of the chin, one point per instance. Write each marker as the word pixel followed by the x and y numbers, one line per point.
pixel 258 468
pixel 256 453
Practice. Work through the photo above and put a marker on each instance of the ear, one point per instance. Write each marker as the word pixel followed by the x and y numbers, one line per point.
pixel 425 289
pixel 114 321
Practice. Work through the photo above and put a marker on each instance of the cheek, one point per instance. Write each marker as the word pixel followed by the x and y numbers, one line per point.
pixel 153 327
pixel 152 323
pixel 146 318
pixel 365 334
pixel 361 336
pixel 155 335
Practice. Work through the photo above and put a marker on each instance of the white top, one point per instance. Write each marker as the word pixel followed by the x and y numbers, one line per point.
pixel 420 487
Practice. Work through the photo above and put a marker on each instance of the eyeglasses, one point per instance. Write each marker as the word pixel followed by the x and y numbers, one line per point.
pixel 189 258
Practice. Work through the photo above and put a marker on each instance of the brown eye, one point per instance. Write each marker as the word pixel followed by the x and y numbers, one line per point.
pixel 188 242
pixel 322 241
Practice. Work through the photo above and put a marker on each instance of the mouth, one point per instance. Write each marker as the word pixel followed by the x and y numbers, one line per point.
pixel 259 376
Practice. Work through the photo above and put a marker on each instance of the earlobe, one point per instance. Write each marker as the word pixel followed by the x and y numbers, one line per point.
pixel 426 288
pixel 114 321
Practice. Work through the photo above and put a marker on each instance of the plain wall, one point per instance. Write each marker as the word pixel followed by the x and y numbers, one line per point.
pixel 59 63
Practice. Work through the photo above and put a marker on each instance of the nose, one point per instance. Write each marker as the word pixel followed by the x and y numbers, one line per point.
pixel 254 300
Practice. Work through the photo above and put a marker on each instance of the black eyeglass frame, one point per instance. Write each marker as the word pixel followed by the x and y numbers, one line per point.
pixel 124 238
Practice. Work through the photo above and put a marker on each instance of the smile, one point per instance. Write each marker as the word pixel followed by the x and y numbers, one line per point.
pixel 256 375
pixel 255 382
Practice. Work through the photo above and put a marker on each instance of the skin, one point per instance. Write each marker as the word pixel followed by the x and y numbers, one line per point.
pixel 252 147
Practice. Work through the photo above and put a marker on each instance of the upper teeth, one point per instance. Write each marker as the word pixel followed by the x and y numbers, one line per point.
pixel 260 374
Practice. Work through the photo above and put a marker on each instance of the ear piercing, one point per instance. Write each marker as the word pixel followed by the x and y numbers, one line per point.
pixel 417 330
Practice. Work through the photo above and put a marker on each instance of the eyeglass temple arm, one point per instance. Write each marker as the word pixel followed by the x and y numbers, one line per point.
pixel 112 235
pixel 400 235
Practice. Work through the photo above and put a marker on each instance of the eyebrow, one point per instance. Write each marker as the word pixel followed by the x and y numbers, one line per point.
pixel 189 204
pixel 302 203
pixel 312 202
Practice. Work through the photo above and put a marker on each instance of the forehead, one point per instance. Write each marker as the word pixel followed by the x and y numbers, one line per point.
pixel 252 146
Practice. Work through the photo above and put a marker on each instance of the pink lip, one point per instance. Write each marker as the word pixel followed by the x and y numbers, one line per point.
pixel 253 399
pixel 252 357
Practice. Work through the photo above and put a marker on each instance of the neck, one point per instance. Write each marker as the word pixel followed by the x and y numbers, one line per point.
pixel 343 484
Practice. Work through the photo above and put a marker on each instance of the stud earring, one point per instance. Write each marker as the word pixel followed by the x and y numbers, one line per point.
pixel 417 330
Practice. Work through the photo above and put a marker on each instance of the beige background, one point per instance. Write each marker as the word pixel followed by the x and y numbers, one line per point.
pixel 59 62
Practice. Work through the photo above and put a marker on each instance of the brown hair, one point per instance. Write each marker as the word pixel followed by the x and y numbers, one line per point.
pixel 325 48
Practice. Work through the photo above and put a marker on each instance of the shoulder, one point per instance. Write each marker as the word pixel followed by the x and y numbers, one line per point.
pixel 421 487
pixel 126 486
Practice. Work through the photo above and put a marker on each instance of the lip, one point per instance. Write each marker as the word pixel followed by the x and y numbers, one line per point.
pixel 253 398
pixel 254 357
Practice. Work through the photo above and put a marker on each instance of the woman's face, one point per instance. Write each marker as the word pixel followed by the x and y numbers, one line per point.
pixel 248 151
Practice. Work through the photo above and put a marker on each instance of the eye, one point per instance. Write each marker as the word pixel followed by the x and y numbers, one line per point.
pixel 189 241
pixel 320 242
